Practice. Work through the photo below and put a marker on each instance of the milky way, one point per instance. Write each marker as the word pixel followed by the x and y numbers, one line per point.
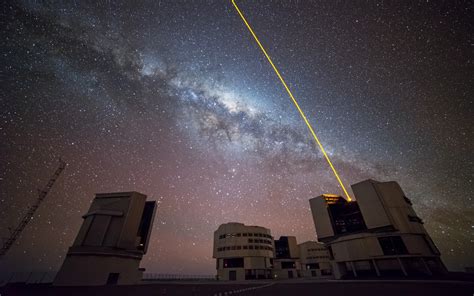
pixel 175 100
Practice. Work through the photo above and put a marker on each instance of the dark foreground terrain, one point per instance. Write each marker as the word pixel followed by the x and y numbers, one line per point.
pixel 293 288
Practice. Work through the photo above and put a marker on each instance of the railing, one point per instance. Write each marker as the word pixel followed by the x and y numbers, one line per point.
pixel 177 277
pixel 47 277
pixel 34 277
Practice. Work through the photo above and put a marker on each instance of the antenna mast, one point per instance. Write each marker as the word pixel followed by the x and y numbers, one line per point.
pixel 31 211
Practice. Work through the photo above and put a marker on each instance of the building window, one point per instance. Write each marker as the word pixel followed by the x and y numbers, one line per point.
pixel 244 234
pixel 326 272
pixel 233 262
pixel 250 247
pixel 246 247
pixel 250 240
pixel 238 234
pixel 393 245
pixel 312 266
pixel 282 248
pixel 288 265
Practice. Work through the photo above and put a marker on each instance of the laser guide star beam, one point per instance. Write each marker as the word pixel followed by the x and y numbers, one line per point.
pixel 348 197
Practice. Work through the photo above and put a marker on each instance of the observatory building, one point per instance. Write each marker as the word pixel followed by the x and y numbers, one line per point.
pixel 249 252
pixel 286 262
pixel 314 260
pixel 111 242
pixel 378 234
pixel 243 252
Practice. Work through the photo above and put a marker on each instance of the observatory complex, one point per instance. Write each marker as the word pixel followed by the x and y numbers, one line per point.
pixel 377 235
pixel 111 242
pixel 245 252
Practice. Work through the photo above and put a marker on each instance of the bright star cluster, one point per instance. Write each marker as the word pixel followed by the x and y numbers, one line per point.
pixel 175 100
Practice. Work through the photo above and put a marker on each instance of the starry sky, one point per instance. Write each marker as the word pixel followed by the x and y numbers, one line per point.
pixel 175 100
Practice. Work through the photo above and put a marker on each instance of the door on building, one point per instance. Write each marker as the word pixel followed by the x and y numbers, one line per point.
pixel 113 278
pixel 232 275
pixel 290 274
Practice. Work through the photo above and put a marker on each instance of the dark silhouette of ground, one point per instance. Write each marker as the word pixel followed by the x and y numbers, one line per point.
pixel 292 288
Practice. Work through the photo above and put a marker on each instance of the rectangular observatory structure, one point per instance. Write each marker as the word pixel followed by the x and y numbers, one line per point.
pixel 111 242
pixel 286 264
pixel 378 234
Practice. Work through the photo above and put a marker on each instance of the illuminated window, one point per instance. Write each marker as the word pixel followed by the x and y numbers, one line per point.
pixel 312 266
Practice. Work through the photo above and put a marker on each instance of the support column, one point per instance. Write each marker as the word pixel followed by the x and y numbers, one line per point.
pixel 339 269
pixel 402 267
pixel 353 268
pixel 428 271
pixel 377 271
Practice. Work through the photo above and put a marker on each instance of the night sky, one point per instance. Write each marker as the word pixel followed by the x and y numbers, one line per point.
pixel 175 100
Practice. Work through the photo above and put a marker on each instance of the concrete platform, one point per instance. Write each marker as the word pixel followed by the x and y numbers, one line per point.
pixel 293 288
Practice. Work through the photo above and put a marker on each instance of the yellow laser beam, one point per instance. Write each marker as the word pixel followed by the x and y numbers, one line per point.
pixel 293 99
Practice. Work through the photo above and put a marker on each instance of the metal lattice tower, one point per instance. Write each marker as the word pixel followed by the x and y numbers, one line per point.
pixel 15 233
